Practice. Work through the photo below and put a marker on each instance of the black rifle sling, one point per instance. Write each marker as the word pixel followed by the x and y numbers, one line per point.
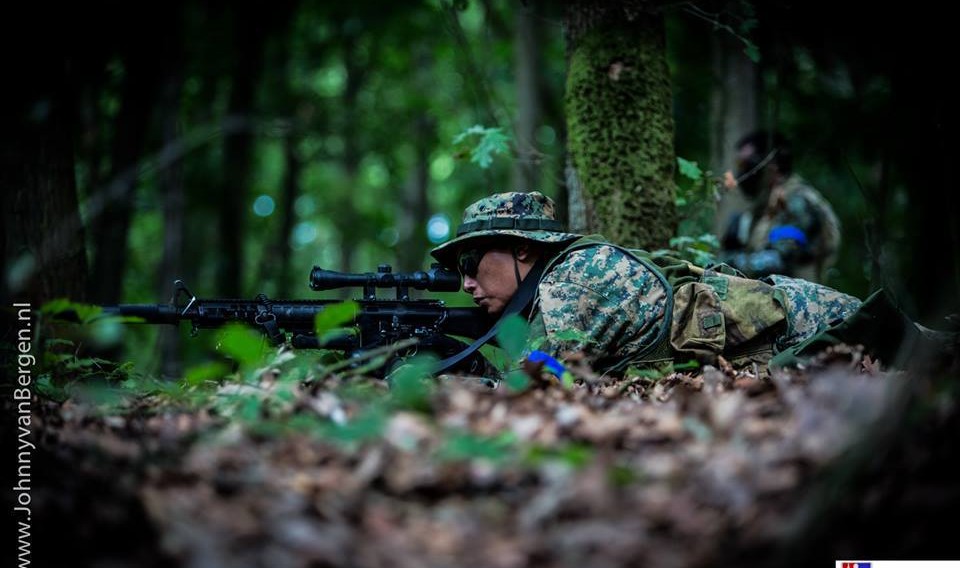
pixel 525 293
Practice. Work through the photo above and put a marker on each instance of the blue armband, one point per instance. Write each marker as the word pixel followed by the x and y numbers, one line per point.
pixel 787 233
pixel 549 362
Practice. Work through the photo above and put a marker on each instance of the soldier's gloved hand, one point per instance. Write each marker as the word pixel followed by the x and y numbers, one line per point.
pixel 756 264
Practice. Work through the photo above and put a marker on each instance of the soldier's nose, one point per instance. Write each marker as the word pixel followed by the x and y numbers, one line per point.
pixel 469 284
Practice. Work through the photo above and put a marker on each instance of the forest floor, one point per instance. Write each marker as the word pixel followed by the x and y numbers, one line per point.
pixel 837 460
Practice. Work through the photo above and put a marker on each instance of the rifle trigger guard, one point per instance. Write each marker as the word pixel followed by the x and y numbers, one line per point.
pixel 266 318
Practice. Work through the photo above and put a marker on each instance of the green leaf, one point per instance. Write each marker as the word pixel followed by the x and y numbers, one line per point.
pixel 45 387
pixel 512 336
pixel 366 426
pixel 408 388
pixel 689 169
pixel 517 380
pixel 475 129
pixel 689 365
pixel 85 312
pixel 490 141
pixel 334 316
pixel 209 371
pixel 575 455
pixel 752 51
pixel 621 475
pixel 242 343
pixel 470 446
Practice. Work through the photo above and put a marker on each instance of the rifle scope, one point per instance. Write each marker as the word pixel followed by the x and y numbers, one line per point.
pixel 437 279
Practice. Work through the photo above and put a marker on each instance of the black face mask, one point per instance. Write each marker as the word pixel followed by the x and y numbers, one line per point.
pixel 750 186
pixel 750 174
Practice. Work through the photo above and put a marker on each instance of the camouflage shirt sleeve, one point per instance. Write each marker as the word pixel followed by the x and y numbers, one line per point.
pixel 602 301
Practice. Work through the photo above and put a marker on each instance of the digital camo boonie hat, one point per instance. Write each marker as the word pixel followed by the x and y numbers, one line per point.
pixel 526 215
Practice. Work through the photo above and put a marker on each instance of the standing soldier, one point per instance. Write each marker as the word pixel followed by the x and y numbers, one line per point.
pixel 790 228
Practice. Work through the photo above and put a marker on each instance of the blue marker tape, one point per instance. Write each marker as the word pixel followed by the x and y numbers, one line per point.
pixel 788 232
pixel 549 362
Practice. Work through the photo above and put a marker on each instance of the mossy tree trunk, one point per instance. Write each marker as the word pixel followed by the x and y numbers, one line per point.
pixel 619 121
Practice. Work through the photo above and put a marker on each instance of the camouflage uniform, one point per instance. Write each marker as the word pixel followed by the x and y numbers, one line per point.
pixel 620 306
pixel 603 301
pixel 793 232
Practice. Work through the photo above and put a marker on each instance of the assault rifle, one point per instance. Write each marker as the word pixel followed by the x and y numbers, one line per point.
pixel 379 323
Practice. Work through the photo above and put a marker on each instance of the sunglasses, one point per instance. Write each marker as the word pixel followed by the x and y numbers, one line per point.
pixel 468 261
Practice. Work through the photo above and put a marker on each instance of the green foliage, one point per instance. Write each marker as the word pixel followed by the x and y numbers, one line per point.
pixel 410 383
pixel 368 425
pixel 516 380
pixel 328 321
pixel 205 373
pixel 691 365
pixel 485 143
pixel 696 198
pixel 573 454
pixel 621 475
pixel 512 336
pixel 689 170
pixel 243 344
pixel 467 446
pixel 85 313
pixel 700 250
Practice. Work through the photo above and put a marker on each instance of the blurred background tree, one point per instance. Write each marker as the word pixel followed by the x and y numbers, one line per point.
pixel 235 147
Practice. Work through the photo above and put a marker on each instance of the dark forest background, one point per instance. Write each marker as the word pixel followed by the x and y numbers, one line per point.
pixel 236 145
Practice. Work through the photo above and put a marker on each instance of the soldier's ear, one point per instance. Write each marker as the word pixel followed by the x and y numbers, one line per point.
pixel 524 252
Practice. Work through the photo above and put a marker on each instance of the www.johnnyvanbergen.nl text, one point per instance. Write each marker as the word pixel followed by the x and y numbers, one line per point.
pixel 23 398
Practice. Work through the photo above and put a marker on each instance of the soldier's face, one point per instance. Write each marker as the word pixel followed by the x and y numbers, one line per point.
pixel 747 160
pixel 489 277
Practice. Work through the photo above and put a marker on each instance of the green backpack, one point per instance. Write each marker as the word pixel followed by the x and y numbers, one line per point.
pixel 715 311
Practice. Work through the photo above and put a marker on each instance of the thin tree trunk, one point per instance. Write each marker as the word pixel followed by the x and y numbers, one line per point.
pixel 526 171
pixel 734 112
pixel 415 208
pixel 347 217
pixel 291 188
pixel 174 199
pixel 112 226
pixel 238 147
pixel 619 121
pixel 43 238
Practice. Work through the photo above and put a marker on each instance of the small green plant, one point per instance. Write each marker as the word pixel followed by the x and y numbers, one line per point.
pixel 481 143
pixel 460 446
pixel 696 198
pixel 512 337
pixel 410 383
pixel 573 454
